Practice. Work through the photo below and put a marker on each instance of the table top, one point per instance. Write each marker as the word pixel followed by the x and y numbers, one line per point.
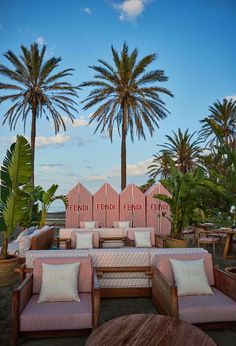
pixel 148 330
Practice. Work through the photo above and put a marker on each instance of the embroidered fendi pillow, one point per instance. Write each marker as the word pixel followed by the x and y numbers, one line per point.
pixel 190 277
pixel 142 239
pixel 89 224
pixel 84 240
pixel 59 282
pixel 123 224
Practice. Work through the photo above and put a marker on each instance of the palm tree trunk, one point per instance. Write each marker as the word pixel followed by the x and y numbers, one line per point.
pixel 123 150
pixel 33 137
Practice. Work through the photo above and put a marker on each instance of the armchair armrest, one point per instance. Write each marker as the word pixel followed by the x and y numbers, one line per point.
pixel 66 241
pixel 20 297
pixel 225 283
pixel 96 300
pixel 164 294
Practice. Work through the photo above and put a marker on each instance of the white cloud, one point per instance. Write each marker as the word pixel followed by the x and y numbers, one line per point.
pixel 40 40
pixel 77 122
pixel 134 170
pixel 86 10
pixel 96 178
pixel 130 9
pixel 232 97
pixel 42 141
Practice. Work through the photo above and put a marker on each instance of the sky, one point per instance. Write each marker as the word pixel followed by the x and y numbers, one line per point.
pixel 195 44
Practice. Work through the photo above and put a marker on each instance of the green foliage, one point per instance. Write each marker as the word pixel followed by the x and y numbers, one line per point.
pixel 127 97
pixel 15 172
pixel 46 198
pixel 186 190
pixel 36 89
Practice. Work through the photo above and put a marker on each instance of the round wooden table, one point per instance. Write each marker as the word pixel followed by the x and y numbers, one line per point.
pixel 148 330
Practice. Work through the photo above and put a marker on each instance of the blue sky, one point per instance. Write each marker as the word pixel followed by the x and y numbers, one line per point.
pixel 195 43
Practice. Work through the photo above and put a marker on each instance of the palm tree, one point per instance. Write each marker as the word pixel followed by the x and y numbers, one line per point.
pixel 221 122
pixel 183 149
pixel 160 165
pixel 126 97
pixel 36 89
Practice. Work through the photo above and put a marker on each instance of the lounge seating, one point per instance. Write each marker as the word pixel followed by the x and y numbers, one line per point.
pixel 121 272
pixel 38 239
pixel 208 238
pixel 31 318
pixel 204 310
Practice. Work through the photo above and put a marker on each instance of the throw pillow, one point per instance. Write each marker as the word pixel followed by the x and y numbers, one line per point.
pixel 59 282
pixel 142 239
pixel 84 240
pixel 26 232
pixel 190 277
pixel 24 245
pixel 123 224
pixel 89 224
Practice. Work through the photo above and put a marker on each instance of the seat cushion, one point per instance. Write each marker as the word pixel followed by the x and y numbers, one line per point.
pixel 57 315
pixel 207 308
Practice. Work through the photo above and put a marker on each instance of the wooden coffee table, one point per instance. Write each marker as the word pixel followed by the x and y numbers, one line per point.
pixel 148 330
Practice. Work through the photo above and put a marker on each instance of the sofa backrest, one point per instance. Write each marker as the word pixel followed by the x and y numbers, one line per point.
pixel 85 276
pixel 95 238
pixel 130 233
pixel 162 262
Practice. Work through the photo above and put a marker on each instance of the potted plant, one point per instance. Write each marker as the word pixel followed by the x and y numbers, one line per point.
pixel 46 198
pixel 186 190
pixel 15 171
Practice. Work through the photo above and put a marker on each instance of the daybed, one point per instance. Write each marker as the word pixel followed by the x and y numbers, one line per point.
pixel 34 317
pixel 205 310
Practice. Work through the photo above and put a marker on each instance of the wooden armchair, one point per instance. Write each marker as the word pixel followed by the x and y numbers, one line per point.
pixel 206 311
pixel 33 319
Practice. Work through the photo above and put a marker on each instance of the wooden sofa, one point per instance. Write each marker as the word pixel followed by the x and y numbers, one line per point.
pixel 206 311
pixel 33 319
pixel 123 272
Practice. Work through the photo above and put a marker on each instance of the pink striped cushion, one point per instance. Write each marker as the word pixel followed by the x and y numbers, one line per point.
pixel 162 262
pixel 209 240
pixel 85 271
pixel 95 238
pixel 57 315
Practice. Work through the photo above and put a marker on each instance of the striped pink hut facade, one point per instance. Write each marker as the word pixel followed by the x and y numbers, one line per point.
pixel 106 206
pixel 155 209
pixel 79 207
pixel 132 206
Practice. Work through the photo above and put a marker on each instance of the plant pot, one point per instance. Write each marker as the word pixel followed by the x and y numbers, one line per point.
pixel 175 243
pixel 7 271
pixel 231 271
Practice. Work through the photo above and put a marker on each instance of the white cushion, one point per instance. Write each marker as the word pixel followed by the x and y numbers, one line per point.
pixel 190 277
pixel 25 233
pixel 84 240
pixel 123 224
pixel 142 239
pixel 89 224
pixel 24 244
pixel 59 282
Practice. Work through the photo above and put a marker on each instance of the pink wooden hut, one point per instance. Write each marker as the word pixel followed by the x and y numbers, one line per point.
pixel 156 208
pixel 79 206
pixel 106 206
pixel 132 206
